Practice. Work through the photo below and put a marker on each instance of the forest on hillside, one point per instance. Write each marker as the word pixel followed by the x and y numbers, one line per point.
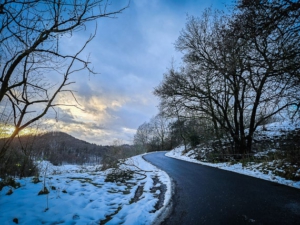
pixel 58 148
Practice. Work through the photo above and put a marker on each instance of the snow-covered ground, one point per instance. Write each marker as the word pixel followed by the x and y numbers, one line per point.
pixel 80 195
pixel 276 128
pixel 250 169
pixel 266 170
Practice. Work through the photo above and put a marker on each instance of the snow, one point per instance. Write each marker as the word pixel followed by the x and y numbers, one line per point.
pixel 80 195
pixel 258 170
pixel 249 170
pixel 277 128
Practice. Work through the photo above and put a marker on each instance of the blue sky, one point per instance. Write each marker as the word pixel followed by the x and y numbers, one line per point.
pixel 131 53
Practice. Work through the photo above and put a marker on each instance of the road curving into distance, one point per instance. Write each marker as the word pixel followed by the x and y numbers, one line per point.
pixel 206 195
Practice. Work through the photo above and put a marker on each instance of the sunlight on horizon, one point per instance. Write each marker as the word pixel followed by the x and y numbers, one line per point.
pixel 7 130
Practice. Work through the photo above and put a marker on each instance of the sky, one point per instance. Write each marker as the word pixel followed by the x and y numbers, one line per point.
pixel 131 53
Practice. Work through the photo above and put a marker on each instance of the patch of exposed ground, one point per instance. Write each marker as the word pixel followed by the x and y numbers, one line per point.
pixel 138 193
pixel 159 189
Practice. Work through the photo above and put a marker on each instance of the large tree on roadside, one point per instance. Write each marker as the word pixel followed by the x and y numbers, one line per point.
pixel 235 77
pixel 31 35
pixel 274 27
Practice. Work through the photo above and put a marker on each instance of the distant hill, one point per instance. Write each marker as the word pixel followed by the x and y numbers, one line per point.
pixel 59 148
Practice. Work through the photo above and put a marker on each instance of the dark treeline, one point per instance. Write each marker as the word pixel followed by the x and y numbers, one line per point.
pixel 57 147
pixel 162 133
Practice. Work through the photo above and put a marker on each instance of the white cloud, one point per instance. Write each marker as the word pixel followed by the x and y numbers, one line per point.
pixel 131 53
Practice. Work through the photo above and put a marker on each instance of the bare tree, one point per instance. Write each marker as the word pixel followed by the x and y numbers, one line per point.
pixel 160 129
pixel 153 136
pixel 276 26
pixel 232 77
pixel 143 136
pixel 31 34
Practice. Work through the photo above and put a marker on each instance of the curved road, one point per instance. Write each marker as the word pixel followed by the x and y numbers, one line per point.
pixel 206 195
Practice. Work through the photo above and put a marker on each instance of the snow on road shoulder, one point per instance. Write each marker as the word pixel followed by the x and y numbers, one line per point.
pixel 162 175
pixel 249 170
pixel 145 211
pixel 81 195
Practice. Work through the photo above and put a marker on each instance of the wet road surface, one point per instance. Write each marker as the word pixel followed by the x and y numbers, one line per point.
pixel 206 195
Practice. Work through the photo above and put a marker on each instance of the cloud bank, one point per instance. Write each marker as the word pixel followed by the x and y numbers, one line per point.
pixel 131 54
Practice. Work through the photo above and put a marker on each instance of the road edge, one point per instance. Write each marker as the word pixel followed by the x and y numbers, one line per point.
pixel 167 209
pixel 245 174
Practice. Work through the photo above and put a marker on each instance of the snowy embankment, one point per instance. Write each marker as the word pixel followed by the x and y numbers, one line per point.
pixel 82 195
pixel 250 169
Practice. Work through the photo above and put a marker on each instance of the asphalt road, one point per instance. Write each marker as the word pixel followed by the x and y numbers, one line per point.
pixel 206 195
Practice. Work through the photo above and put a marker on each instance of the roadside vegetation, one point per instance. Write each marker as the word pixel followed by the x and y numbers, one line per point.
pixel 239 76
pixel 276 154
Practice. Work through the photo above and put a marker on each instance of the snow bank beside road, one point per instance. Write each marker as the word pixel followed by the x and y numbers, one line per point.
pixel 80 195
pixel 250 169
